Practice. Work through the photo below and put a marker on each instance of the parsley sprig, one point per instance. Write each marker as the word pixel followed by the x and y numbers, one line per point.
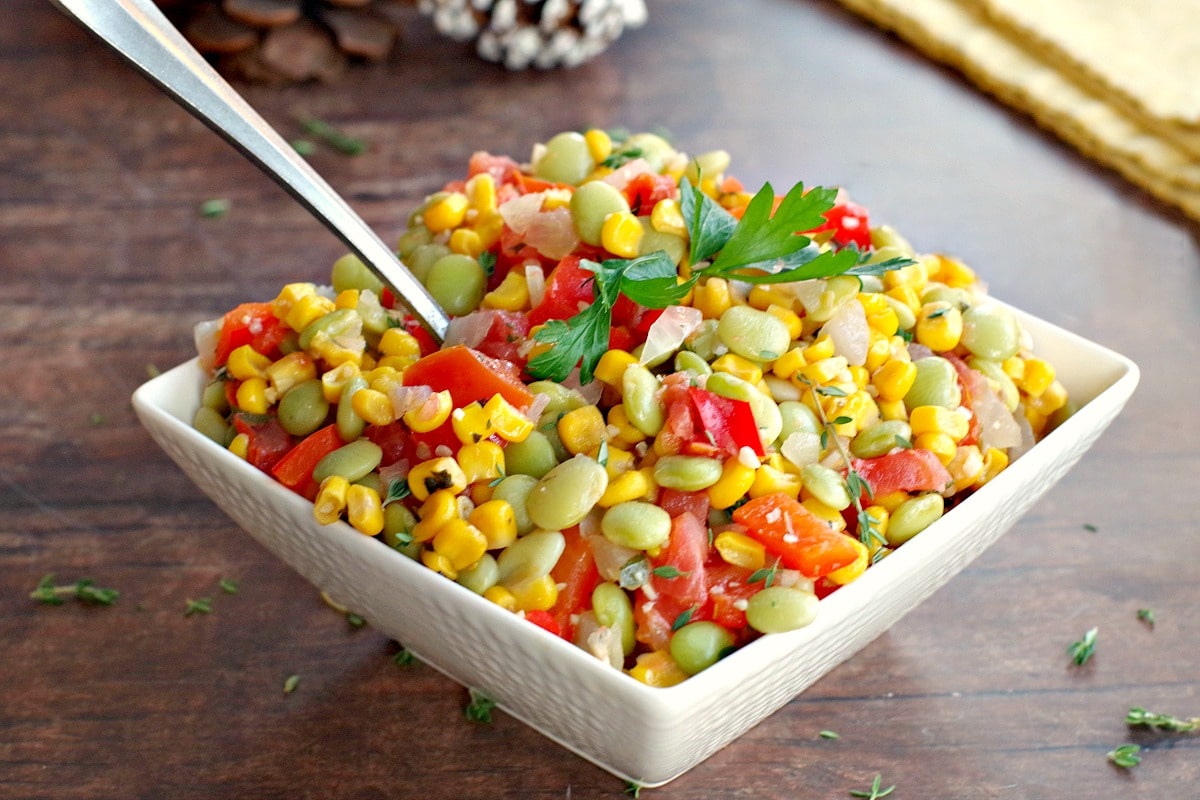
pixel 762 247
pixel 1081 651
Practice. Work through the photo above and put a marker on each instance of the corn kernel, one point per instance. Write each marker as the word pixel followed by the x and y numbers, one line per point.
pixel 622 430
pixel 879 350
pixel 436 474
pixel 335 352
pixel 657 669
pixel 735 365
pixel 599 144
pixel 819 350
pixel 894 379
pixel 740 550
pixel 936 419
pixel 331 499
pixel 906 295
pixel 347 298
pixel 1051 400
pixel 506 421
pixel 790 319
pixel 252 396
pixel 666 217
pixel 373 406
pixel 288 296
pixel 954 273
pixel 481 461
pixel 914 277
pixel 430 415
pixel 239 445
pixel 891 501
pixel 481 193
pixel 497 521
pixel 736 479
pixel 501 597
pixel 612 365
pixel 460 542
pixel 511 295
pixel 1036 377
pixel 939 326
pixel 445 212
pixel 892 410
pixel 854 570
pixel 307 310
pixel 364 509
pixel 994 462
pixel 763 297
pixel 290 370
pixel 438 509
pixel 334 380
pixel 966 468
pixel 789 363
pixel 941 445
pixel 465 241
pixel 439 563
pixel 712 298
pixel 470 423
pixel 768 480
pixel 539 594
pixel 582 429
pixel 859 375
pixel 619 460
pixel 621 234
pixel 633 484
pixel 830 515
pixel 880 517
pixel 246 362
pixel 822 371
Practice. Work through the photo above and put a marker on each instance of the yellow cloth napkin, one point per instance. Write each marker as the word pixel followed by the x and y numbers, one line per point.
pixel 1119 81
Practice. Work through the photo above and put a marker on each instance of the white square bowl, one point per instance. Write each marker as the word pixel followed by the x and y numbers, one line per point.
pixel 639 733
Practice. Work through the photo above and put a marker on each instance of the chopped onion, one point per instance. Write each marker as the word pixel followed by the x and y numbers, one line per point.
pixel 807 292
pixel 396 471
pixel 609 557
pixel 918 351
pixel 668 332
pixel 205 335
pixel 471 329
pixel 802 448
pixel 997 426
pixel 621 176
pixel 552 233
pixel 408 398
pixel 535 281
pixel 533 412
pixel 590 393
pixel 848 330
pixel 520 212
pixel 605 644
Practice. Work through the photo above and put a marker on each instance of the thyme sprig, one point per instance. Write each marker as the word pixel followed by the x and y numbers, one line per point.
pixel 876 791
pixel 84 590
pixel 1140 717
pixel 1081 651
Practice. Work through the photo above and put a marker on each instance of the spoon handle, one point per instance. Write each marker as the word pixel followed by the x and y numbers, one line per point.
pixel 138 31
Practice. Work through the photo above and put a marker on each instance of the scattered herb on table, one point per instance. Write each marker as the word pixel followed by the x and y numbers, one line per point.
pixel 875 792
pixel 216 207
pixel 201 605
pixel 1126 756
pixel 1140 717
pixel 1082 650
pixel 1089 527
pixel 829 735
pixel 152 371
pixel 84 590
pixel 354 620
pixel 291 683
pixel 404 657
pixel 633 789
pixel 480 708
pixel 305 147
pixel 96 419
pixel 1146 615
pixel 332 136
pixel 228 586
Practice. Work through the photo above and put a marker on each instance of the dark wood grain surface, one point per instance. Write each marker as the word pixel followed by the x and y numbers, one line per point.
pixel 106 264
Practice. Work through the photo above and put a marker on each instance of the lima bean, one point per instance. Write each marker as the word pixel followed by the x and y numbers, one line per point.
pixel 529 557
pixel 613 609
pixel 352 461
pixel 913 516
pixel 753 334
pixel 515 491
pixel 565 494
pixel 636 524
pixel 303 408
pixel 778 609
pixel 698 645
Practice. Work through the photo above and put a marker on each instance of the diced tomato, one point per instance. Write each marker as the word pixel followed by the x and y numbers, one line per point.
pixel 645 190
pixel 568 287
pixel 728 585
pixel 269 442
pixel 469 376
pixel 295 469
pixel 395 440
pixel 512 252
pixel 575 571
pixel 620 338
pixel 254 324
pixel 800 539
pixel 527 184
pixel 544 620
pixel 686 551
pixel 502 168
pixel 905 470
pixel 850 225
pixel 676 502
pixel 504 338
pixel 969 381
pixel 652 626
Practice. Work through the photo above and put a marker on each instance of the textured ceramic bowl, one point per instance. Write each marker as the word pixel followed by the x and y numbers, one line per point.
pixel 638 733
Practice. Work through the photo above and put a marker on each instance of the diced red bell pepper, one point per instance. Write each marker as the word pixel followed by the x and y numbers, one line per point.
pixel 647 188
pixel 544 620
pixel 850 225
pixel 909 470
pixel 503 169
pixel 268 441
pixel 730 422
pixel 469 376
pixel 295 469
pixel 728 586
pixel 568 286
pixel 800 539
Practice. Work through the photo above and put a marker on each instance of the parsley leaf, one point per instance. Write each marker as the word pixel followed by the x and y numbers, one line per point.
pixel 709 226
pixel 760 238
pixel 580 340
pixel 480 708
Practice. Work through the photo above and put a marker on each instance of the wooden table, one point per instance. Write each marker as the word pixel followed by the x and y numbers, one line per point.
pixel 107 263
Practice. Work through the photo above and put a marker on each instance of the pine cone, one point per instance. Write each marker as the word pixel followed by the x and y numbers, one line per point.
pixel 288 41
pixel 536 33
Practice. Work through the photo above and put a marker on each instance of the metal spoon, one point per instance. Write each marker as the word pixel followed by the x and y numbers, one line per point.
pixel 138 31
